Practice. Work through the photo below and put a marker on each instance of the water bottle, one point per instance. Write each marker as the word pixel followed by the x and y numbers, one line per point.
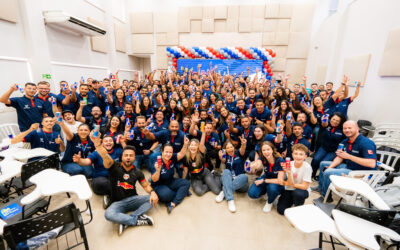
pixel 127 122
pixel 289 116
pixel 150 126
pixel 325 118
pixel 20 88
pixel 341 146
pixel 75 86
pixel 59 118
pixel 197 107
pixel 96 131
pixel 278 127
pixel 223 154
pixel 107 109
pixel 131 134
pixel 106 91
pixel 247 166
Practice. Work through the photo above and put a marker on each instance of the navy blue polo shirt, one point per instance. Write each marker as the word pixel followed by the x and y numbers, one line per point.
pixel 47 106
pixel 249 101
pixel 230 106
pixel 292 140
pixel 213 137
pixel 117 107
pixel 235 164
pixel 248 135
pixel 307 131
pixel 140 141
pixel 165 137
pixel 89 120
pixel 361 147
pixel 280 147
pixel 221 130
pixel 240 112
pixel 29 111
pixel 41 139
pixel 147 113
pixel 75 146
pixel 166 173
pixel 157 127
pixel 343 106
pixel 131 117
pixel 271 169
pixel 186 131
pixel 264 116
pixel 100 101
pixel 71 106
pixel 331 137
pixel 91 102
pixel 97 162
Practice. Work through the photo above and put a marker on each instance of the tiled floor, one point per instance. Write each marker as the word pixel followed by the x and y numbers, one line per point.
pixel 199 223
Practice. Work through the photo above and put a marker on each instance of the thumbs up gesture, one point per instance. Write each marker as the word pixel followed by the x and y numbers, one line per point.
pixel 77 157
pixel 58 140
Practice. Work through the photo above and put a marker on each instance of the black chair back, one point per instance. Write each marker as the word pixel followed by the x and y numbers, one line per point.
pixel 31 168
pixel 380 217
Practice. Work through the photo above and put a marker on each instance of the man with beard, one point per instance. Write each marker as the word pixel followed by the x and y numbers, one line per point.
pixel 160 124
pixel 124 198
pixel 100 181
pixel 144 146
pixel 42 138
pixel 95 119
pixel 127 114
pixel 29 109
pixel 90 100
pixel 43 96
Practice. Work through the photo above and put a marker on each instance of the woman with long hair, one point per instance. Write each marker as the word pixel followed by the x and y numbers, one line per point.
pixel 258 138
pixel 144 108
pixel 113 128
pixel 272 179
pixel 201 177
pixel 117 102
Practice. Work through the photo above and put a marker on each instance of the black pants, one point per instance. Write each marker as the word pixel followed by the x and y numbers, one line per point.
pixel 213 154
pixel 206 181
pixel 289 198
pixel 101 185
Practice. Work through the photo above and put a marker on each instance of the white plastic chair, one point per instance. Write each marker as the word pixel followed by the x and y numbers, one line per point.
pixel 372 178
pixel 8 129
pixel 387 135
pixel 388 159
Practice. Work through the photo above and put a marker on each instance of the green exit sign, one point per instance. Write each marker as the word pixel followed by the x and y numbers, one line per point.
pixel 46 76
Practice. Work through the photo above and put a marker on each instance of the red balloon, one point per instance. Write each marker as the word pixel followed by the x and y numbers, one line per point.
pixel 268 70
pixel 174 59
pixel 265 62
pixel 273 54
pixel 271 74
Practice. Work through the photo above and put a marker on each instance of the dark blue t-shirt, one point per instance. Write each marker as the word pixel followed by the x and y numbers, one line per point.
pixel 46 103
pixel 361 147
pixel 235 163
pixel 75 146
pixel 292 140
pixel 280 147
pixel 263 116
pixel 165 137
pixel 41 139
pixel 140 141
pixel 97 162
pixel 167 171
pixel 29 111
pixel 271 169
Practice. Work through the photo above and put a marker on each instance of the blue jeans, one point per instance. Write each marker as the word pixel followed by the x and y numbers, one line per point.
pixel 289 198
pixel 174 191
pixel 272 189
pixel 139 204
pixel 320 156
pixel 73 168
pixel 324 180
pixel 139 159
pixel 230 184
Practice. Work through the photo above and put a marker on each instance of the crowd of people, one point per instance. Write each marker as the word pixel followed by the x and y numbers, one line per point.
pixel 200 129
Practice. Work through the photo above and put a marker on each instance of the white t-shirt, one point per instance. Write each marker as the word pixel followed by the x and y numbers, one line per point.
pixel 72 127
pixel 300 174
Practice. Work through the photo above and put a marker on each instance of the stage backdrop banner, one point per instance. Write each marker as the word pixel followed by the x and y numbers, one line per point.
pixel 235 66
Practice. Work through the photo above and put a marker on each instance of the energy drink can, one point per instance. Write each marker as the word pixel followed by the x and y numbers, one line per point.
pixel 159 161
pixel 287 162
pixel 202 126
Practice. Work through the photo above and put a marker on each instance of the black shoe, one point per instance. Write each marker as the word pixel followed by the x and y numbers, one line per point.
pixel 316 178
pixel 169 208
pixel 106 201
pixel 329 199
pixel 144 220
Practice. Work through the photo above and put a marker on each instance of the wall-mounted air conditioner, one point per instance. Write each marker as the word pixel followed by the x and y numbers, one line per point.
pixel 66 21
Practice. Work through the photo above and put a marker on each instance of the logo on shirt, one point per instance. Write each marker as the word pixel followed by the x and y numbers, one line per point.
pixel 124 185
pixel 41 140
pixel 126 176
pixel 26 106
pixel 370 152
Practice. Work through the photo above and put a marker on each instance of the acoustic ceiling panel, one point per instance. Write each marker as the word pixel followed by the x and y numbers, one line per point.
pixel 98 43
pixel 356 68
pixel 142 23
pixel 390 62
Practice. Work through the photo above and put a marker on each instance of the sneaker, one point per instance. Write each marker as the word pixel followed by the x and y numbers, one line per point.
pixel 220 197
pixel 316 189
pixel 169 208
pixel 144 220
pixel 106 201
pixel 267 208
pixel 231 206
pixel 121 229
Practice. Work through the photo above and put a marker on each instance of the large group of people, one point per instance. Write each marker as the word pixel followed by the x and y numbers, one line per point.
pixel 200 129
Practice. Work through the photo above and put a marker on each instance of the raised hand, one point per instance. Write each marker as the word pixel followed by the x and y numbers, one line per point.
pixel 58 140
pixel 77 157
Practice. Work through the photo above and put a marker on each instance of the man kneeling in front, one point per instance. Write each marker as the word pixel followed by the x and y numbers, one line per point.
pixel 124 198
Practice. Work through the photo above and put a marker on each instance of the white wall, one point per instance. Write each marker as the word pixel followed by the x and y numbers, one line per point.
pixel 29 48
pixel 361 28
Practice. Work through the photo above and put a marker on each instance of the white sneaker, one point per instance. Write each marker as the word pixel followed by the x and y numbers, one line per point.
pixel 220 197
pixel 267 208
pixel 231 206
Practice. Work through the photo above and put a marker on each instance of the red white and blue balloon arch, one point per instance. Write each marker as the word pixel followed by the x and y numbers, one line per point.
pixel 251 53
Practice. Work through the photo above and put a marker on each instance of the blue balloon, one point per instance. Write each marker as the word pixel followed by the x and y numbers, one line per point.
pixel 269 77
